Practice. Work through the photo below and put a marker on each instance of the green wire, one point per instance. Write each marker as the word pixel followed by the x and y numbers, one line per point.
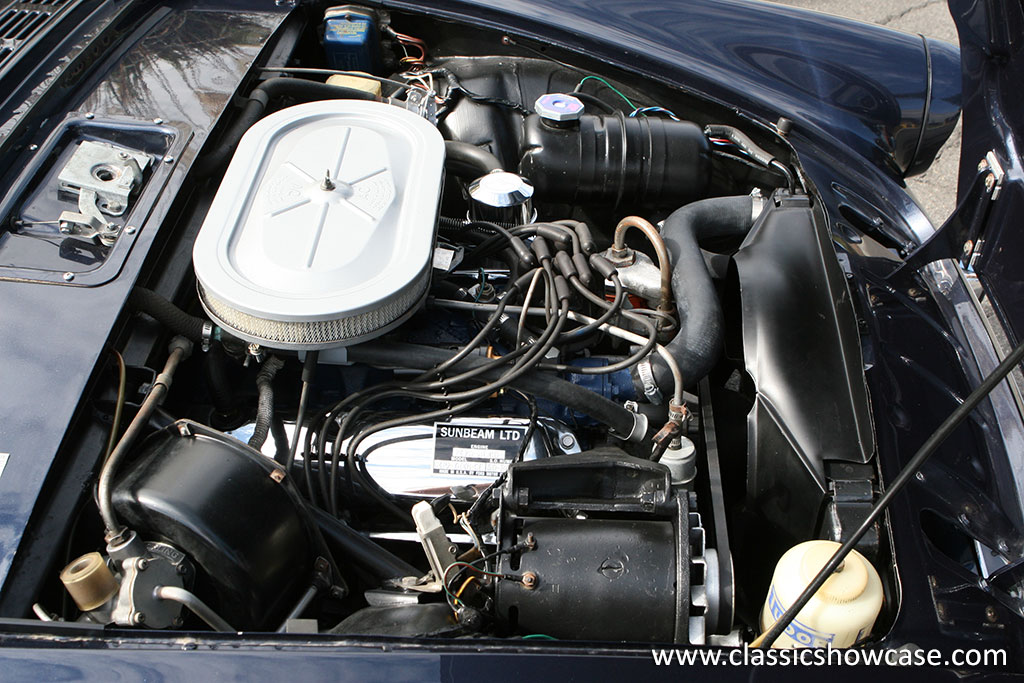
pixel 480 289
pixel 538 636
pixel 612 87
pixel 444 579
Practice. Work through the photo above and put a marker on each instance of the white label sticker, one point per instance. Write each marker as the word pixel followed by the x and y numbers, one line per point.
pixel 443 258
pixel 4 457
pixel 479 449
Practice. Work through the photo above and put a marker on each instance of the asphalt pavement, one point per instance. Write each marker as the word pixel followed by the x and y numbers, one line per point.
pixel 936 188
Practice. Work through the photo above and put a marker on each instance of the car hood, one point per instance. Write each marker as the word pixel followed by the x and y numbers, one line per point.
pixel 991 187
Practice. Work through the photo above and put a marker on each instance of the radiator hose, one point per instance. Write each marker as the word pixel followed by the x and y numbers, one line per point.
pixel 698 343
pixel 469 161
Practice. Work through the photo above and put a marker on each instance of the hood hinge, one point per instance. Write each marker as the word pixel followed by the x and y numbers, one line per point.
pixel 962 235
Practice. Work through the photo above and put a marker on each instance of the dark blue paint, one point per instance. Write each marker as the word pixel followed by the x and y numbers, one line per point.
pixel 53 336
pixel 525 661
pixel 176 72
pixel 857 97
pixel 990 35
pixel 854 85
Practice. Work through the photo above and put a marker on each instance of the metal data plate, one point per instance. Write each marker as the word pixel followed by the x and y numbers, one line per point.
pixel 431 460
pixel 411 460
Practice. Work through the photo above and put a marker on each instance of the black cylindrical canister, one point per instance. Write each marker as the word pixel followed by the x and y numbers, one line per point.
pixel 616 159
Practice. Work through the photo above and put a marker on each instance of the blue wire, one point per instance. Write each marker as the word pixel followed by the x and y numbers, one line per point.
pixel 653 110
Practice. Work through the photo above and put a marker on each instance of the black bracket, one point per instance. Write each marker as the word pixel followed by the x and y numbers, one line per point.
pixel 961 235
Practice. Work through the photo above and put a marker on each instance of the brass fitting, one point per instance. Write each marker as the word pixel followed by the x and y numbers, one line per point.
pixel 89 581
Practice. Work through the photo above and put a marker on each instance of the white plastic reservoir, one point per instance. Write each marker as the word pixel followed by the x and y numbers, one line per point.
pixel 842 612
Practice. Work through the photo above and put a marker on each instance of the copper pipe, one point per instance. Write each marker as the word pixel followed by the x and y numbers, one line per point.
pixel 664 261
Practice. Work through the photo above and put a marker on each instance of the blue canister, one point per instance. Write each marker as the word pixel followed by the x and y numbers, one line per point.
pixel 352 39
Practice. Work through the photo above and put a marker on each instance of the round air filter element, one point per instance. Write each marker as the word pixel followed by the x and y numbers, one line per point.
pixel 322 231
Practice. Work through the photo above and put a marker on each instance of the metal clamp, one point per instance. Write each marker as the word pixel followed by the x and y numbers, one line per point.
pixel 646 374
pixel 640 424
pixel 207 336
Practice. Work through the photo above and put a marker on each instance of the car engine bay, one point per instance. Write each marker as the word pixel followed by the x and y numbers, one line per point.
pixel 472 345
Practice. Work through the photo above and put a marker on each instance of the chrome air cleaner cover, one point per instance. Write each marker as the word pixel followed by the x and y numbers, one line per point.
pixel 322 230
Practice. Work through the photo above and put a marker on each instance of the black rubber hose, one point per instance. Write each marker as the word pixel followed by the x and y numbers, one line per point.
pixel 462 226
pixel 167 314
pixel 265 401
pixel 362 550
pixel 297 88
pixel 280 436
pixel 763 158
pixel 698 343
pixel 468 161
pixel 539 384
pixel 740 139
pixel 304 89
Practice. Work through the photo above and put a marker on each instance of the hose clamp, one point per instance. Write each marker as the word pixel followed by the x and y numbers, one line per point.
pixel 757 204
pixel 646 374
pixel 164 379
pixel 207 336
pixel 639 429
